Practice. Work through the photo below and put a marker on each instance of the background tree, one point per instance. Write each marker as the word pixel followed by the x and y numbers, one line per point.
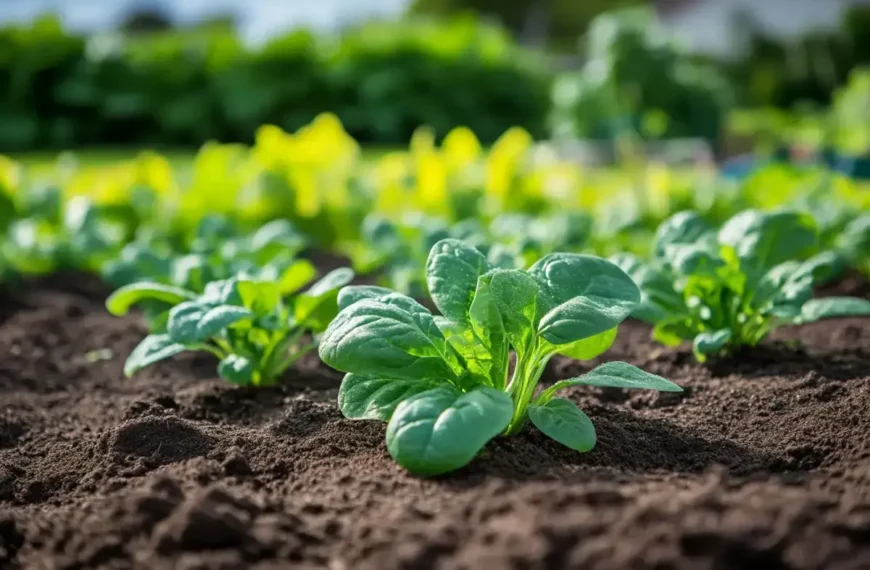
pixel 560 23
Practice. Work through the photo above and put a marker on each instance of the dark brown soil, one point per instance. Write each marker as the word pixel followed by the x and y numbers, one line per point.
pixel 762 463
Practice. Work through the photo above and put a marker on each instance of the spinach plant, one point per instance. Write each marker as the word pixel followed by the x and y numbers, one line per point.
pixel 218 249
pixel 730 288
pixel 853 244
pixel 49 233
pixel 443 382
pixel 251 325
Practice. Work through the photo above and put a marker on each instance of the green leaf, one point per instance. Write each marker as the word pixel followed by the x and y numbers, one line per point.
pixel 238 370
pixel 349 295
pixel 767 239
pixel 375 398
pixel 296 276
pixel 693 259
pixel 443 429
pixel 833 307
pixel 193 271
pixel 488 354
pixel 120 301
pixel 315 308
pixel 452 271
pixel 613 375
pixel 222 292
pixel 332 281
pixel 521 303
pixel 261 297
pixel 374 338
pixel 712 342
pixel 153 348
pixel 193 322
pixel 592 295
pixel 588 348
pixel 823 266
pixel 681 228
pixel 564 422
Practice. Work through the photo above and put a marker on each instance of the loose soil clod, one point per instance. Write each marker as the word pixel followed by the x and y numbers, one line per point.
pixel 762 463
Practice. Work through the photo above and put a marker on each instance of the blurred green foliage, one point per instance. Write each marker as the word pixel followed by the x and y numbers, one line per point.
pixel 786 72
pixel 61 90
pixel 564 21
pixel 636 80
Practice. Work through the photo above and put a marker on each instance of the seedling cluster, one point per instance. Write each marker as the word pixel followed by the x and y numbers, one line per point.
pixel 479 267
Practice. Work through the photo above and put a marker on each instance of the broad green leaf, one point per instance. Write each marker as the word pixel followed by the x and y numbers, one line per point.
pixel 315 308
pixel 443 429
pixel 193 322
pixel 296 276
pixel 490 348
pixel 375 398
pixel 218 318
pixel 613 375
pixel 588 348
pixel 452 271
pixel 332 281
pixel 153 348
pixel 374 338
pixel 564 422
pixel 222 292
pixel 767 239
pixel 591 295
pixel 120 301
pixel 349 295
pixel 238 370
pixel 193 271
pixel 834 307
pixel 712 342
pixel 681 228
pixel 823 266
pixel 521 303
pixel 261 297
pixel 773 284
pixel 693 259
pixel 274 238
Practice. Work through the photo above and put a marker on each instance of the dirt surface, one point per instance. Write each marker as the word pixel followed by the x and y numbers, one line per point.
pixel 762 463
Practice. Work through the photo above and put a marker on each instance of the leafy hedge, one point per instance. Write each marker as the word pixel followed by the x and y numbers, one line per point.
pixel 58 89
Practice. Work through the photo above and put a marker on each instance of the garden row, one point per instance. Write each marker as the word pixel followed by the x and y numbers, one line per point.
pixel 214 260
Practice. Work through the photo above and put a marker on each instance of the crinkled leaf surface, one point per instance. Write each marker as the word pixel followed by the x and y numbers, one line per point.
pixel 591 295
pixel 443 429
pixel 375 398
pixel 452 270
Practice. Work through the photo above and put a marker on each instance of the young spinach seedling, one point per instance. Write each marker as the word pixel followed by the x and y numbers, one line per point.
pixel 730 288
pixel 443 382
pixel 252 326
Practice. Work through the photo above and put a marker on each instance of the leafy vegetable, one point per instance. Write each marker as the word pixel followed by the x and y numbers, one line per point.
pixel 247 323
pixel 442 381
pixel 729 289
pixel 217 250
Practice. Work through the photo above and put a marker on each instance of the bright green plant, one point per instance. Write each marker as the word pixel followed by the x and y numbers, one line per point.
pixel 252 326
pixel 443 381
pixel 397 250
pixel 48 234
pixel 217 250
pixel 854 244
pixel 727 289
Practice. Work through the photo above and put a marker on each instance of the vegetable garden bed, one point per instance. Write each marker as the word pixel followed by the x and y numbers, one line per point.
pixel 762 462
